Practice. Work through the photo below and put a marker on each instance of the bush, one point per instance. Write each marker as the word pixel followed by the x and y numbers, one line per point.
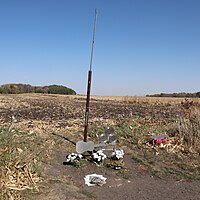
pixel 41 90
pixel 59 89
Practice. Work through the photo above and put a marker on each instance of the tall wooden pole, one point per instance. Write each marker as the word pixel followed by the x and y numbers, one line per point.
pixel 89 83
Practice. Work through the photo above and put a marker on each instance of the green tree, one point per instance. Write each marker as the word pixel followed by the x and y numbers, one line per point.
pixel 1 90
pixel 59 89
pixel 198 94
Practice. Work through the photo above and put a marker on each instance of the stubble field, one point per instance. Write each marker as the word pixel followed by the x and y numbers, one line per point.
pixel 36 131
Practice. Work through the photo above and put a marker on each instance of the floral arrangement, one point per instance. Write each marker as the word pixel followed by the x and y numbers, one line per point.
pixel 116 161
pixel 158 139
pixel 117 154
pixel 73 159
pixel 99 157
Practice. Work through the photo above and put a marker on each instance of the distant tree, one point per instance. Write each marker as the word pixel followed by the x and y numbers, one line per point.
pixel 26 88
pixel 198 94
pixel 41 90
pixel 59 89
pixel 181 94
pixel 162 94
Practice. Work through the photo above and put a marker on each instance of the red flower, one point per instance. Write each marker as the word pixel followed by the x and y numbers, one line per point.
pixel 158 141
pixel 164 140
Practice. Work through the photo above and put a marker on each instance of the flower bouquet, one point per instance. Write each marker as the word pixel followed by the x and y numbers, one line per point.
pixel 116 160
pixel 99 157
pixel 73 159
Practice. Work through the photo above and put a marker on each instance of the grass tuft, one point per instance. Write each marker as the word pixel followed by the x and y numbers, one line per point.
pixel 20 156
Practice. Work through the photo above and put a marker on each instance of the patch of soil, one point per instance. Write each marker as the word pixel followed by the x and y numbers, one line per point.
pixel 136 183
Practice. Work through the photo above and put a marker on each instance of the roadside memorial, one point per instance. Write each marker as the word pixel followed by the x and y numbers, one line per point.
pixel 108 139
pixel 104 153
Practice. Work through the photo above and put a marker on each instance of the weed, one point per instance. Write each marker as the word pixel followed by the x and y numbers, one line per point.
pixel 20 154
pixel 88 194
pixel 189 131
pixel 124 173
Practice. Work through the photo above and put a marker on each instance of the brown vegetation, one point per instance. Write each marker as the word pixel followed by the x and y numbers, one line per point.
pixel 30 123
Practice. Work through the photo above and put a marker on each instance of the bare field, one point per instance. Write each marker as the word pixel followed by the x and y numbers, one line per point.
pixel 34 128
pixel 141 99
pixel 49 113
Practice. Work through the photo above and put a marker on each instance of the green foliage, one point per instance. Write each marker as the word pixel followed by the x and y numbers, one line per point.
pixel 59 89
pixel 198 94
pixel 16 88
pixel 25 88
pixel 41 90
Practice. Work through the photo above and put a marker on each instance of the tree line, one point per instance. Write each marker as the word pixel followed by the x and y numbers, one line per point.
pixel 181 95
pixel 27 88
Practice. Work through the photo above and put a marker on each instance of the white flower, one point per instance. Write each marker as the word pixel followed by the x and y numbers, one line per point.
pixel 67 160
pixel 99 156
pixel 117 154
pixel 80 156
pixel 73 156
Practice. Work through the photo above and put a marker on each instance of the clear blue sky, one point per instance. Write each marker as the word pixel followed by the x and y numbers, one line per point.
pixel 141 46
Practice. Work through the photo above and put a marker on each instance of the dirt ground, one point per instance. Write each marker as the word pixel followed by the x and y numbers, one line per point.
pixel 61 115
pixel 138 185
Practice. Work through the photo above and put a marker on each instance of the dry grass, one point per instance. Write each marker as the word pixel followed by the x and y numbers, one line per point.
pixel 140 99
pixel 41 115
pixel 179 157
pixel 189 130
pixel 20 156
